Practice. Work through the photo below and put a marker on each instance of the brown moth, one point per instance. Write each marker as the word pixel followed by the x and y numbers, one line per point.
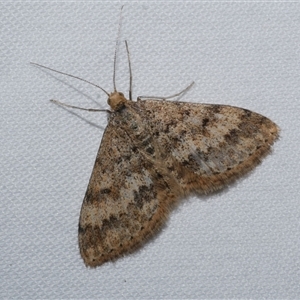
pixel 155 152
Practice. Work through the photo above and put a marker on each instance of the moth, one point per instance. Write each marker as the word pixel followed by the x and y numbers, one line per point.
pixel 155 152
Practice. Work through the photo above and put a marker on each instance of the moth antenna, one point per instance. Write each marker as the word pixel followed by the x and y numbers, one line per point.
pixel 130 71
pixel 97 86
pixel 116 49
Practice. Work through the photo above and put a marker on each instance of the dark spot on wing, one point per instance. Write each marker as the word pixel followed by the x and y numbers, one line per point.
pixel 105 191
pixel 205 122
pixel 144 194
pixel 232 137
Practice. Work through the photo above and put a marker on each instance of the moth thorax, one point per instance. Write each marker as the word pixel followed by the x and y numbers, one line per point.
pixel 116 100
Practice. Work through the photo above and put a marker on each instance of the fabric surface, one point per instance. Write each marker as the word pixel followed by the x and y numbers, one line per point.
pixel 242 242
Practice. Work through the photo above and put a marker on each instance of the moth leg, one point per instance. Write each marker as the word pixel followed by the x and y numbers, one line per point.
pixel 168 97
pixel 77 107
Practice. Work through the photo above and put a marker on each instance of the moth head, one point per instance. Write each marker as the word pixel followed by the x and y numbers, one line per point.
pixel 116 100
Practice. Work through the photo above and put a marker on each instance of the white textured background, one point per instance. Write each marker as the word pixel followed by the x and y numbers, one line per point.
pixel 243 242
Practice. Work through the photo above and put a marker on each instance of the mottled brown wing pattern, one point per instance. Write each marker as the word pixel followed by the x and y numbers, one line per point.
pixel 153 153
pixel 207 146
pixel 122 206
